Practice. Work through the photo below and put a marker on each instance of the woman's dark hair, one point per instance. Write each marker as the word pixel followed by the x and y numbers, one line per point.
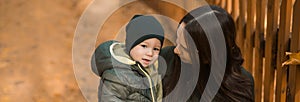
pixel 235 86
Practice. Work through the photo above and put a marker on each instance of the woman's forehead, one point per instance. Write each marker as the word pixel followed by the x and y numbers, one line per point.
pixel 181 39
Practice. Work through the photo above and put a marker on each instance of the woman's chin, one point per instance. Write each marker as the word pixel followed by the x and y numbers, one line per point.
pixel 186 60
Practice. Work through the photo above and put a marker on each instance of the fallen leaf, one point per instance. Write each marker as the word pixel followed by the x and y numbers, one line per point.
pixel 294 59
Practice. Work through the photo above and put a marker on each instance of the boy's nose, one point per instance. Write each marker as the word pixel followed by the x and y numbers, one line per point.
pixel 149 53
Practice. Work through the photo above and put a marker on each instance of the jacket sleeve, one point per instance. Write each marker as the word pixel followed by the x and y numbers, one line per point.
pixel 111 90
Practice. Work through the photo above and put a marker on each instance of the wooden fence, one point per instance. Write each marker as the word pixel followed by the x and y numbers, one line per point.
pixel 266 30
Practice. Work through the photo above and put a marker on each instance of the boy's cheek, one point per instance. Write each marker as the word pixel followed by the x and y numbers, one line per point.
pixel 155 57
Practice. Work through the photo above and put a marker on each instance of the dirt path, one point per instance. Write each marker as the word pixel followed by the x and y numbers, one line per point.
pixel 36 50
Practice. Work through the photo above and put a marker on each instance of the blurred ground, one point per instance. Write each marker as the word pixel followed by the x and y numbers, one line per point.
pixel 36 50
pixel 36 40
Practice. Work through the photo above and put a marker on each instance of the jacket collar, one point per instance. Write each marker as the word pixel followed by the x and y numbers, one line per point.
pixel 117 51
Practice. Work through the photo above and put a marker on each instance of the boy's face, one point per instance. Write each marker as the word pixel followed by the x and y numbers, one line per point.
pixel 146 52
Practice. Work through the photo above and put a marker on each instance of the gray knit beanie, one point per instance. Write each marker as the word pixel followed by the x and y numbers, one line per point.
pixel 141 28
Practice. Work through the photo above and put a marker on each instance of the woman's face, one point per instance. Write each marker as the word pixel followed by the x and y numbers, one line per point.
pixel 181 45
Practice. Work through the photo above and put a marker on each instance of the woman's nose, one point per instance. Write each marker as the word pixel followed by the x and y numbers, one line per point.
pixel 176 51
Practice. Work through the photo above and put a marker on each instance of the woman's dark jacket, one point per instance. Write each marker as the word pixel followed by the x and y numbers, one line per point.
pixel 173 73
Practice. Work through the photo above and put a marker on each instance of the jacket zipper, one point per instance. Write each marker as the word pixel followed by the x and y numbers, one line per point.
pixel 150 82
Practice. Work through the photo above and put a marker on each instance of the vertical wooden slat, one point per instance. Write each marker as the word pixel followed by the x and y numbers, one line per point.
pixel 295 46
pixel 208 1
pixel 249 35
pixel 297 89
pixel 188 5
pixel 229 6
pixel 218 2
pixel 283 35
pixel 223 4
pixel 235 8
pixel 212 2
pixel 272 14
pixel 240 26
pixel 260 19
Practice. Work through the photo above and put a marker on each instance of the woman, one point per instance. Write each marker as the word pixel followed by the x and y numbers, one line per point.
pixel 194 46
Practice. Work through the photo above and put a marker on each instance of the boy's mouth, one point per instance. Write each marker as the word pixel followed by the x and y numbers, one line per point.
pixel 146 61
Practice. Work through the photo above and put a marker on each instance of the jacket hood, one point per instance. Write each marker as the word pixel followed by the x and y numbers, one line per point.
pixel 110 54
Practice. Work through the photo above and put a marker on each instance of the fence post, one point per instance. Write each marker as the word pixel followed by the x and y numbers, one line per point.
pixel 248 46
pixel 235 8
pixel 223 4
pixel 283 36
pixel 258 50
pixel 240 25
pixel 229 6
pixel 295 46
pixel 218 2
pixel 273 7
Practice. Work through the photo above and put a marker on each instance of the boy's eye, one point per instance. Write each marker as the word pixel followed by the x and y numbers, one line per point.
pixel 156 49
pixel 144 46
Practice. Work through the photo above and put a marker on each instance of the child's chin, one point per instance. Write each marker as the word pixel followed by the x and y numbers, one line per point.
pixel 145 66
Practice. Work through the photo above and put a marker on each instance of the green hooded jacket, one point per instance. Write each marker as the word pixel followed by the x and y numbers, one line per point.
pixel 123 79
